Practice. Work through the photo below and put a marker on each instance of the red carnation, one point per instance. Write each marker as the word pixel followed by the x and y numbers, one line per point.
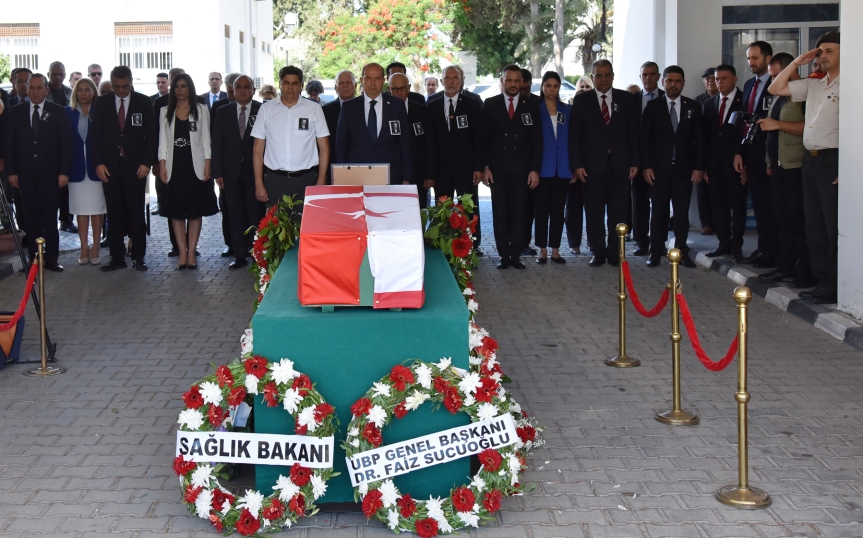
pixel 490 459
pixel 473 223
pixel 271 394
pixel 191 493
pixel 372 434
pixel 426 528
pixel 527 433
pixel 407 506
pixel 455 221
pixel 247 524
pixel 216 415
pixel 463 499
pixel 372 503
pixel 256 366
pixel 487 390
pixel 322 411
pixel 275 511
pixel 401 376
pixel 298 428
pixel 217 523
pixel 297 504
pixel 219 498
pixel 300 475
pixel 400 410
pixel 463 224
pixel 461 246
pixel 224 376
pixel 452 400
pixel 236 396
pixel 193 398
pixel 491 500
pixel 361 407
pixel 183 466
pixel 441 384
pixel 302 384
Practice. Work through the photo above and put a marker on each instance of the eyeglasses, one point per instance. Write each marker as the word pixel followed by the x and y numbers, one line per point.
pixel 96 74
pixel 398 88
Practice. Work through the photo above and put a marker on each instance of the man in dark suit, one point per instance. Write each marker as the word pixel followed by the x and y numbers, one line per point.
pixel 513 157
pixel 751 162
pixel 20 80
pixel 463 92
pixel 398 67
pixel 419 132
pixel 162 83
pixel 59 94
pixel 232 166
pixel 457 127
pixel 125 138
pixel 346 89
pixel 215 93
pixel 722 140
pixel 672 161
pixel 639 217
pixel 38 161
pixel 373 129
pixel 229 99
pixel 603 152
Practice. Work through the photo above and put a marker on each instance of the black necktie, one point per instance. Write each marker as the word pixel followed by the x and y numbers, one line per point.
pixel 451 115
pixel 373 121
pixel 35 120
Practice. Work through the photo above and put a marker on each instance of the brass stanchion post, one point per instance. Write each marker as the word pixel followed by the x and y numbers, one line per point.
pixel 622 360
pixel 742 495
pixel 676 416
pixel 44 370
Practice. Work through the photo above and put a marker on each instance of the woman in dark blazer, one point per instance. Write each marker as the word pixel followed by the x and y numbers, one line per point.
pixel 549 198
pixel 86 196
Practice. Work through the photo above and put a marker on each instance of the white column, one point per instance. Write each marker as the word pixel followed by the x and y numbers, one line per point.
pixel 634 39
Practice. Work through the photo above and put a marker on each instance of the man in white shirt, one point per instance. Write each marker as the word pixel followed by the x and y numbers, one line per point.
pixel 286 131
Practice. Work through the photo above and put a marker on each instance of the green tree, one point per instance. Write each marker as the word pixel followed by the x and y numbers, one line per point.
pixel 5 67
pixel 312 18
pixel 491 29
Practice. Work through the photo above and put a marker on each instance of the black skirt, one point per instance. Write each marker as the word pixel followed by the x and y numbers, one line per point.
pixel 188 196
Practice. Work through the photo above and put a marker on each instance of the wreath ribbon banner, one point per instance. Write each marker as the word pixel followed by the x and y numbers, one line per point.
pixel 430 450
pixel 256 448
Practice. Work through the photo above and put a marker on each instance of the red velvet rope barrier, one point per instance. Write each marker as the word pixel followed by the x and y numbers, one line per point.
pixel 710 364
pixel 31 278
pixel 663 300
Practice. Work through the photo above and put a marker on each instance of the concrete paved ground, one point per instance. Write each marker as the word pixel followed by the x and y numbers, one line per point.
pixel 88 453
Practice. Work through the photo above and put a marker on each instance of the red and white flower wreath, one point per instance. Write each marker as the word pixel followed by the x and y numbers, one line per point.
pixel 405 389
pixel 209 406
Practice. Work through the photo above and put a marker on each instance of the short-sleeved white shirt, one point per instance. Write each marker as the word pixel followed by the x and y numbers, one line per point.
pixel 291 133
pixel 822 111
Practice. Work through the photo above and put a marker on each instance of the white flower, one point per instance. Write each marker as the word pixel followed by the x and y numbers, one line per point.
pixel 264 287
pixel 380 389
pixel 252 501
pixel 307 418
pixel 292 400
pixel 251 384
pixel 288 489
pixel 201 476
pixel 355 443
pixel 283 371
pixel 353 432
pixel 469 518
pixel 474 361
pixel 472 305
pixel 191 419
pixel 363 489
pixel 515 407
pixel 444 363
pixel 468 291
pixel 424 375
pixel 319 487
pixel 412 402
pixel 211 393
pixel 378 416
pixel 469 383
pixel 226 506
pixel 202 504
pixel 478 483
pixel 496 376
pixel 393 519
pixel 443 525
pixel 389 493
pixel 469 401
pixel 486 411
pixel 246 342
pixel 434 507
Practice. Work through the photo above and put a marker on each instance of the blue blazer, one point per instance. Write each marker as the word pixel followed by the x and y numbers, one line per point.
pixel 555 152
pixel 82 154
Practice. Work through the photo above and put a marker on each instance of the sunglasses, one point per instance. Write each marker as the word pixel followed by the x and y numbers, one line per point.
pixel 96 74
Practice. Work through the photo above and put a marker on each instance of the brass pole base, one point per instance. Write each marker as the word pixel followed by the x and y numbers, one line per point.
pixel 623 361
pixel 38 372
pixel 746 498
pixel 677 418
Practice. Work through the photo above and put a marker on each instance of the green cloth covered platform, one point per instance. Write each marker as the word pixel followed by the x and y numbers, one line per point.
pixel 345 351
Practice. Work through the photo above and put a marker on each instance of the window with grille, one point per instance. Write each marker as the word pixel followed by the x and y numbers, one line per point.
pixel 21 42
pixel 144 46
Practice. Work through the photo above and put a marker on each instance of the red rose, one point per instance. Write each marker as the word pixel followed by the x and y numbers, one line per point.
pixel 217 523
pixel 191 493
pixel 407 506
pixel 527 433
pixel 271 394
pixel 426 528
pixel 322 411
pixel 372 503
pixel 237 395
pixel 247 524
pixel 487 390
pixel 491 500
pixel 461 246
pixel 297 504
pixel 216 415
pixel 302 384
pixel 225 377
pixel 400 410
pixel 183 466
pixel 463 499
pixel 193 398
pixel 256 366
pixel 452 400
pixel 401 376
pixel 455 221
pixel 300 475
pixel 441 384
pixel 372 434
pixel 361 407
pixel 275 511
pixel 490 459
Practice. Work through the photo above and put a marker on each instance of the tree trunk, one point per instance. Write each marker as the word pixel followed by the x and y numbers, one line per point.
pixel 533 37
pixel 558 37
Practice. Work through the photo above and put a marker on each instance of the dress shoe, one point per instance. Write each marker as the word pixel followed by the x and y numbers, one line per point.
pixel 720 251
pixel 810 282
pixel 559 261
pixel 529 251
pixel 542 261
pixel 752 258
pixel 686 261
pixel 226 253
pixel 139 265
pixel 479 251
pixel 777 275
pixel 236 264
pixel 654 261
pixel 103 243
pixel 707 230
pixel 83 261
pixel 613 263
pixel 192 266
pixel 517 263
pixel 155 210
pixel 181 266
pixel 113 265
pixel 641 251
pixel 737 254
pixel 596 261
pixel 54 266
pixel 576 250
pixel 827 297
pixel 765 262
pixel 808 294
pixel 502 264
pixel 69 226
pixel 173 253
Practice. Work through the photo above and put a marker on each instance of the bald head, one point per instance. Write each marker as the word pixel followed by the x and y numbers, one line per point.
pixel 399 86
pixel 373 80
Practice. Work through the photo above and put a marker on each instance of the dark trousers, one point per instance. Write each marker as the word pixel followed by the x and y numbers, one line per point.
pixel 64 205
pixel 162 192
pixel 41 198
pixel 124 197
pixel 509 200
pixel 246 211
pixel 821 206
pixel 278 186
pixel 549 202
pixel 574 215
pixel 608 193
pixel 793 253
pixel 676 188
pixel 423 195
pixel 761 188
pixel 225 208
pixel 728 206
pixel 641 195
pixel 529 218
pixel 460 186
pixel 705 215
